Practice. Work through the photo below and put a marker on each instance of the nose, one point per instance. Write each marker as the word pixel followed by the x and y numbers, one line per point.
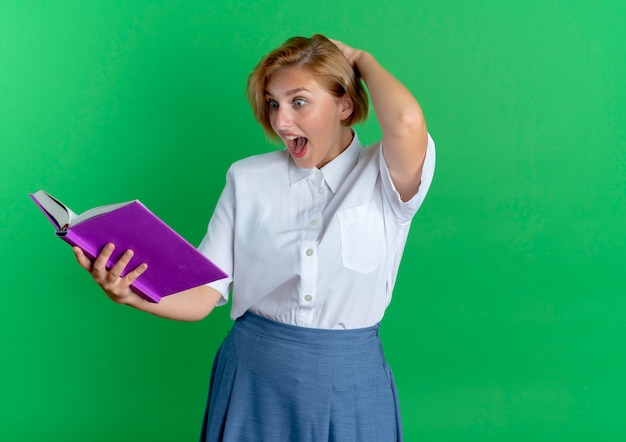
pixel 282 119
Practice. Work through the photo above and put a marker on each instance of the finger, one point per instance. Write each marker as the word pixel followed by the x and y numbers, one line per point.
pixel 82 259
pixel 99 265
pixel 341 46
pixel 347 51
pixel 119 267
pixel 131 276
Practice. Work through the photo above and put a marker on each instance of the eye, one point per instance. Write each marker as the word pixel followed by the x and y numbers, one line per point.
pixel 299 102
pixel 272 105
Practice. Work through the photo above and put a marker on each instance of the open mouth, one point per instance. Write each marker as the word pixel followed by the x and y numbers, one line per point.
pixel 297 145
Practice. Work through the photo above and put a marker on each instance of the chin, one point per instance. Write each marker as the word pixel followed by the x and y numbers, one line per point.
pixel 304 163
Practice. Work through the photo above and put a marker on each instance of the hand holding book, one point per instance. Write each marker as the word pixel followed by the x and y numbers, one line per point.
pixel 140 238
pixel 188 305
pixel 116 287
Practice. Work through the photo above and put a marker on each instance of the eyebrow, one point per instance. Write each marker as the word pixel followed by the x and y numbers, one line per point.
pixel 291 91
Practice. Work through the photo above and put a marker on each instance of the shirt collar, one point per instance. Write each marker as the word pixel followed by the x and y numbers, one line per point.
pixel 336 171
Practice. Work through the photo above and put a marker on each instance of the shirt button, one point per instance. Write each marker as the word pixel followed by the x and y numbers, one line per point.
pixel 309 252
pixel 308 298
pixel 315 222
pixel 318 175
pixel 321 190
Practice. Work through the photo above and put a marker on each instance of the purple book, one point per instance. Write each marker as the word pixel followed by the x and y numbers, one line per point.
pixel 173 263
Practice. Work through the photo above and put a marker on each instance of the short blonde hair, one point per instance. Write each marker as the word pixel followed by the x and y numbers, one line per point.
pixel 322 58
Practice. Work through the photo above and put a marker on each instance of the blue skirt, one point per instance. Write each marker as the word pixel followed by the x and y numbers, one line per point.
pixel 276 382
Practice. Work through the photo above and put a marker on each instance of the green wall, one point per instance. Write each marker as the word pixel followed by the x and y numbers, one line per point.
pixel 508 319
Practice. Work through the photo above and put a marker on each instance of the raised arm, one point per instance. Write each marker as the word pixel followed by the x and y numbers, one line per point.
pixel 400 118
pixel 190 305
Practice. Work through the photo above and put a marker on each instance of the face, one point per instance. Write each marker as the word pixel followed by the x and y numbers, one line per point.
pixel 307 117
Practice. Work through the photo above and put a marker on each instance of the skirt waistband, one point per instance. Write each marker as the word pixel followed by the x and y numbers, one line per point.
pixel 307 336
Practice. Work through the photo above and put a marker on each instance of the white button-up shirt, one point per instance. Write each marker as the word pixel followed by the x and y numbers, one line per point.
pixel 312 247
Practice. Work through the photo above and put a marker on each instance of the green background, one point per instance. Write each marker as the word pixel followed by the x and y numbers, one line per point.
pixel 508 318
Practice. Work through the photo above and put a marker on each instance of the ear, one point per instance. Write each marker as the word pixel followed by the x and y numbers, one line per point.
pixel 346 107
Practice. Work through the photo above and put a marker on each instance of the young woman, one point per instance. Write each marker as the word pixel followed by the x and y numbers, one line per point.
pixel 311 237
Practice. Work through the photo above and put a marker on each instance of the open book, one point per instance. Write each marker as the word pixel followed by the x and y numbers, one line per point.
pixel 173 263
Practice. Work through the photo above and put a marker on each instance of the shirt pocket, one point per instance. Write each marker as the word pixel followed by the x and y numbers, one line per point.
pixel 362 237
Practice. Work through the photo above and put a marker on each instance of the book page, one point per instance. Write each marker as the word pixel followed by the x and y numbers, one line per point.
pixel 57 212
pixel 91 213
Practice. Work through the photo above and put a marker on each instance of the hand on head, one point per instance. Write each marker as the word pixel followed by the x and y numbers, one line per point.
pixel 349 52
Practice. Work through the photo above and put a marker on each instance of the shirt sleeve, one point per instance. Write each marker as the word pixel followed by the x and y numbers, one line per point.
pixel 405 210
pixel 217 244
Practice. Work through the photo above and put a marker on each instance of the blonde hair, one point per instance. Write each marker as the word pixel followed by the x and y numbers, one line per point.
pixel 322 58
